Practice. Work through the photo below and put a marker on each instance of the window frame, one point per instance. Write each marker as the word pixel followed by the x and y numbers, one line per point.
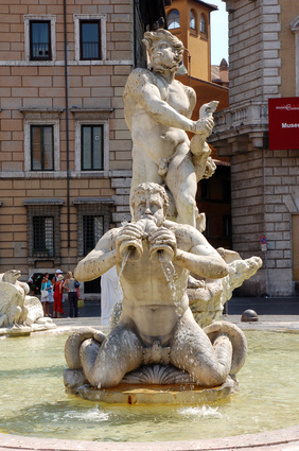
pixel 42 127
pixel 52 39
pixel 92 126
pixel 43 208
pixel 102 19
pixel 202 21
pixel 36 58
pixel 33 116
pixel 169 27
pixel 93 116
pixel 81 22
pixel 193 30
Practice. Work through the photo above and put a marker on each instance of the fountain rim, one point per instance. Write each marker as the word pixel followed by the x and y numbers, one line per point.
pixel 270 440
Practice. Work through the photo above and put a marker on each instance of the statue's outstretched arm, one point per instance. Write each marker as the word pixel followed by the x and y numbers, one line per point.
pixel 98 261
pixel 202 259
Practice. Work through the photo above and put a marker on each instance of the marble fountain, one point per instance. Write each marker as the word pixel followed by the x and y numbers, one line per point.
pixel 170 346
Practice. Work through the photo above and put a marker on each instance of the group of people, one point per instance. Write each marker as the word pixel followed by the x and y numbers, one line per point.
pixel 52 292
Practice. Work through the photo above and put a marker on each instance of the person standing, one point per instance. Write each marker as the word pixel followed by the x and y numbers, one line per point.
pixel 70 287
pixel 58 294
pixel 46 294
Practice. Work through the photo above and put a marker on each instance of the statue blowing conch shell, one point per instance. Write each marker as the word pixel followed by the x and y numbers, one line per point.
pixel 157 340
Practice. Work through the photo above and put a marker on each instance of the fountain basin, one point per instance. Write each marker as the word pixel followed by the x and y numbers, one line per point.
pixel 157 394
pixel 33 401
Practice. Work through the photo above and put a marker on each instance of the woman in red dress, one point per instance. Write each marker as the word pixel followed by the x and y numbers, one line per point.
pixel 58 294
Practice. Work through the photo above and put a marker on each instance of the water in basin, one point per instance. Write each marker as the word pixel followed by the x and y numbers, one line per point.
pixel 33 401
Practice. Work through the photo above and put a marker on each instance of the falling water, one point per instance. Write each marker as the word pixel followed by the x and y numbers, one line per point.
pixel 124 261
pixel 169 273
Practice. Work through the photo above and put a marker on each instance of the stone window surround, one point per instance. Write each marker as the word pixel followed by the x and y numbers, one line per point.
pixel 295 28
pixel 103 20
pixel 37 116
pixel 44 207
pixel 95 207
pixel 91 116
pixel 52 20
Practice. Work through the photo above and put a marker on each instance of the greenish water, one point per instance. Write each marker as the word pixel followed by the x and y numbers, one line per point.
pixel 33 401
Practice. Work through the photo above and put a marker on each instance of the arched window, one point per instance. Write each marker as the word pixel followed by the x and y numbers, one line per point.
pixel 203 24
pixel 173 19
pixel 192 20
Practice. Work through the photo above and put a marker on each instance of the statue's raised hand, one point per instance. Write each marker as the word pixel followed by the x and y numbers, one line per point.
pixel 203 127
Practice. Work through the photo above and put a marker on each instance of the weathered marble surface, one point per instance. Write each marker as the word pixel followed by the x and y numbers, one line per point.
pixel 156 339
pixel 154 258
pixel 19 313
pixel 158 110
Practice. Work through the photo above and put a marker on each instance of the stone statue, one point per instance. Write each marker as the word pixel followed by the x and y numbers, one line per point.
pixel 19 312
pixel 158 109
pixel 154 257
pixel 157 340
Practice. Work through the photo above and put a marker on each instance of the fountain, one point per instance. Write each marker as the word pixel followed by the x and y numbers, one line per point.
pixel 164 262
pixel 157 344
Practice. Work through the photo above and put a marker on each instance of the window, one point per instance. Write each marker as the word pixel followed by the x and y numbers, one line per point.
pixel 41 139
pixel 90 40
pixel 40 44
pixel 42 148
pixel 40 40
pixel 43 235
pixel 93 229
pixel 43 216
pixel 91 140
pixel 192 20
pixel 94 217
pixel 203 24
pixel 173 19
pixel 92 147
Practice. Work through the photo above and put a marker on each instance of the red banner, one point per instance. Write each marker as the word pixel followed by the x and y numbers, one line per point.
pixel 283 123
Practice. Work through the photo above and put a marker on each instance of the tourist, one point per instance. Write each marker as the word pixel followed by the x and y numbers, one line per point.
pixel 70 287
pixel 55 278
pixel 58 295
pixel 46 294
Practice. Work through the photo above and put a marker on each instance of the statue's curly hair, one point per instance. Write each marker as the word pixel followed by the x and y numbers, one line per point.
pixel 152 36
pixel 151 188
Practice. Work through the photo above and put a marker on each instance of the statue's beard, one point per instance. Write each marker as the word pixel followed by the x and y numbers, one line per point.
pixel 160 67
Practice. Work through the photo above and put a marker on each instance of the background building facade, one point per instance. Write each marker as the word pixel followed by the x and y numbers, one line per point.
pixel 65 150
pixel 264 64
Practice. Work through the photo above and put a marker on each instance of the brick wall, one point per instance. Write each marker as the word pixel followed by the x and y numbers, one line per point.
pixel 38 85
